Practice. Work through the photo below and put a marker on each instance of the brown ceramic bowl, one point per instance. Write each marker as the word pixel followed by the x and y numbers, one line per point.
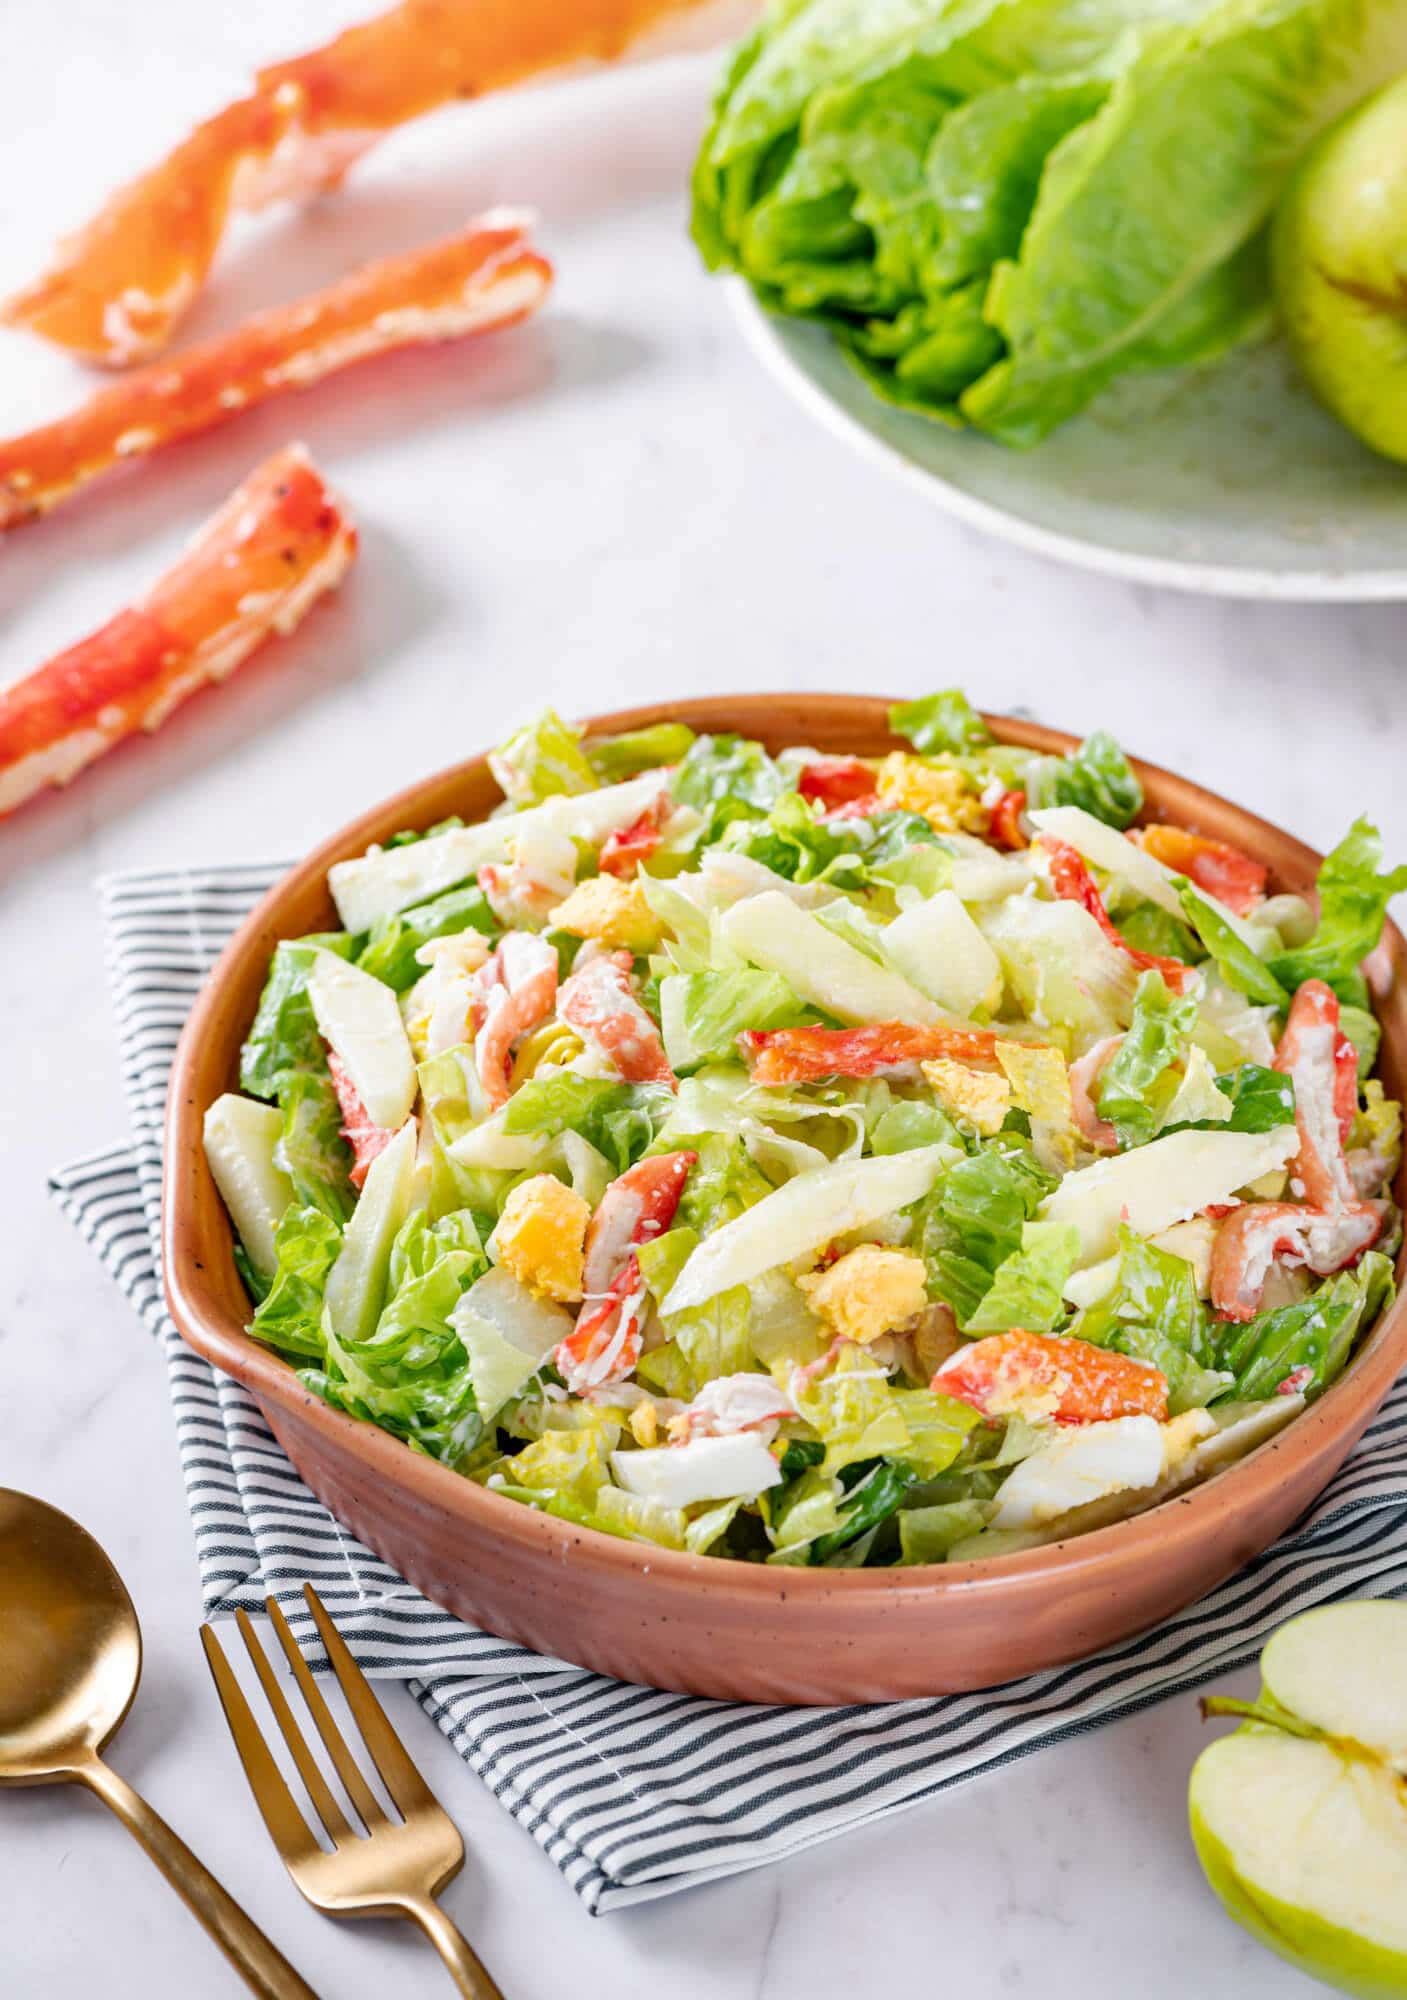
pixel 701 1624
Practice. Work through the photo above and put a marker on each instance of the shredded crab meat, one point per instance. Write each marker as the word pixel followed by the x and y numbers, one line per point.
pixel 486 276
pixel 599 1001
pixel 605 1344
pixel 731 1404
pixel 1329 1225
pixel 366 1138
pixel 1072 882
pixel 118 288
pixel 512 993
pixel 1084 1076
pixel 278 544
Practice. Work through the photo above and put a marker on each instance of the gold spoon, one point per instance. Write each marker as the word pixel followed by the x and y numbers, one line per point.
pixel 70 1660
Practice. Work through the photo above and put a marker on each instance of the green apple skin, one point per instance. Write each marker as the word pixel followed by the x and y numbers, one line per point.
pixel 1338 1958
pixel 1339 267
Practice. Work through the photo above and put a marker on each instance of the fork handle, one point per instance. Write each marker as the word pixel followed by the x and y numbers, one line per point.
pixel 262 1966
pixel 465 1969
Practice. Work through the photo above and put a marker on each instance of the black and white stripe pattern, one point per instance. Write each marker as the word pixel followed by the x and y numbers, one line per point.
pixel 630 1791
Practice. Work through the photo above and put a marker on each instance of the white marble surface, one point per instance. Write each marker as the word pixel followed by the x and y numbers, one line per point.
pixel 606 506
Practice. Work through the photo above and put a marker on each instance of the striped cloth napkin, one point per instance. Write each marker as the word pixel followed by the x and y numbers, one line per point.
pixel 631 1791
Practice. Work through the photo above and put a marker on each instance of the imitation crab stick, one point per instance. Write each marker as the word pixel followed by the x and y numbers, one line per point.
pixel 118 287
pixel 487 276
pixel 279 542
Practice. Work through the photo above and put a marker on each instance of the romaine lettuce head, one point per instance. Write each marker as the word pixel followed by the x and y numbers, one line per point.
pixel 976 196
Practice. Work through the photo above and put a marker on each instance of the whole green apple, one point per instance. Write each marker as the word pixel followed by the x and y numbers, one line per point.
pixel 1300 1817
pixel 1339 265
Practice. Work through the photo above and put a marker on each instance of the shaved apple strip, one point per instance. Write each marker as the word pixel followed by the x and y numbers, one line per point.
pixel 119 287
pixel 486 276
pixel 257 568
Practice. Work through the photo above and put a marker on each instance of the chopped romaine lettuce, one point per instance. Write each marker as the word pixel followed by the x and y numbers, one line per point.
pixel 1353 900
pixel 1316 1333
pixel 974 1221
pixel 289 1316
pixel 389 953
pixel 284 1036
pixel 703 1013
pixel 616 757
pixel 945 721
pixel 542 760
pixel 1097 776
pixel 1139 1082
pixel 1027 1286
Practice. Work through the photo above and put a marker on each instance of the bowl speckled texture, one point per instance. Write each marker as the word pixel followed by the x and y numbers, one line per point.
pixel 740 1631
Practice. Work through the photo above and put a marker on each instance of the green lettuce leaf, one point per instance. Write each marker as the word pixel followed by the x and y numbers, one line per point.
pixel 284 1036
pixel 1353 900
pixel 1317 1332
pixel 1027 1287
pixel 1261 1098
pixel 412 1375
pixel 945 721
pixel 390 948
pixel 1154 1290
pixel 1097 775
pixel 619 1119
pixel 927 1533
pixel 311 1149
pixel 722 1183
pixel 1234 98
pixel 974 1220
pixel 289 1317
pixel 1140 1080
pixel 542 760
pixel 614 758
pixel 703 1013
pixel 1238 962
pixel 726 778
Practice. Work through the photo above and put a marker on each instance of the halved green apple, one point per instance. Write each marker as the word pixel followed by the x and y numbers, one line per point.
pixel 1300 1817
pixel 1339 258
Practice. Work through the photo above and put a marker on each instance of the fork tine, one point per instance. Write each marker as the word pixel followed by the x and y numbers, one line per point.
pixel 287 1827
pixel 357 1789
pixel 324 1805
pixel 399 1775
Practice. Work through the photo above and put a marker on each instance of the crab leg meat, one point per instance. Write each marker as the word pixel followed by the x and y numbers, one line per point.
pixel 262 562
pixel 599 1001
pixel 1223 871
pixel 804 1055
pixel 604 1345
pixel 1331 1226
pixel 487 276
pixel 1072 883
pixel 118 287
pixel 512 994
pixel 1039 1376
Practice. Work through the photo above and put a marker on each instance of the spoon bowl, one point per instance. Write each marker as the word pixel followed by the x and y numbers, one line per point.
pixel 70 1660
pixel 70 1645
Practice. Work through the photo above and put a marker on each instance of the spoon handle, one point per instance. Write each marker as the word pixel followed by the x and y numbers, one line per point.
pixel 264 1968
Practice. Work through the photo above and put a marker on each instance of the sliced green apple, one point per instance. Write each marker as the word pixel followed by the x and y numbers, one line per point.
pixel 240 1137
pixel 1300 1817
pixel 360 1018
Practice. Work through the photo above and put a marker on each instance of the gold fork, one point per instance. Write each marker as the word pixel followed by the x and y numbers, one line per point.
pixel 393 1869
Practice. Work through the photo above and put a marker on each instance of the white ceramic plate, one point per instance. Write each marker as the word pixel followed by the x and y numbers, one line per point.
pixel 1228 480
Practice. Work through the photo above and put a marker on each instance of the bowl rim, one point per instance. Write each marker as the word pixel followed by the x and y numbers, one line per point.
pixel 1158 1533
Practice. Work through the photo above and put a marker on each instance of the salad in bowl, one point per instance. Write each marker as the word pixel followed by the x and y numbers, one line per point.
pixel 816 1159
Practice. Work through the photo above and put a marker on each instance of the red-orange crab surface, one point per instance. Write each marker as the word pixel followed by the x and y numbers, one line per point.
pixel 279 542
pixel 118 287
pixel 486 276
